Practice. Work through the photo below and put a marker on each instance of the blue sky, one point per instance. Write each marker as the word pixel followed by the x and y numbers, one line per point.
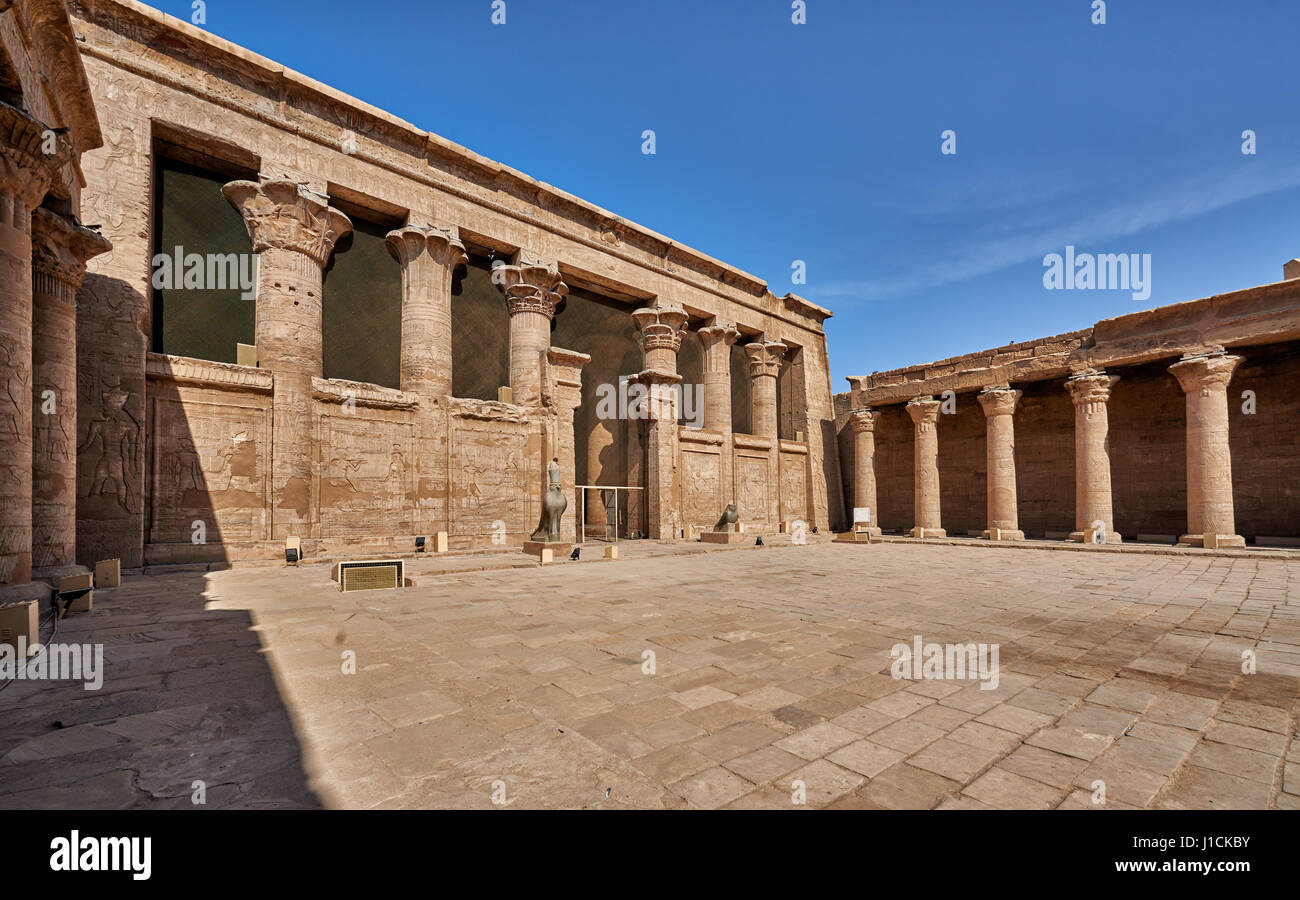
pixel 821 142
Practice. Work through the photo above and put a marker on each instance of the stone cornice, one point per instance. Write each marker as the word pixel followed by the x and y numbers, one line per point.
pixel 137 35
pixel 205 373
pixel 751 442
pixel 700 436
pixel 372 396
pixel 1259 315
pixel 284 215
pixel 47 28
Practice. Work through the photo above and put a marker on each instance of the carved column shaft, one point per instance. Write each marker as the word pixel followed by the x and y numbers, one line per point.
pixel 1092 495
pixel 429 255
pixel 59 254
pixel 26 172
pixel 1000 443
pixel 565 368
pixel 764 367
pixel 533 292
pixel 663 519
pixel 662 329
pixel 293 231
pixel 863 422
pixel 717 341
pixel 925 498
pixel 1210 515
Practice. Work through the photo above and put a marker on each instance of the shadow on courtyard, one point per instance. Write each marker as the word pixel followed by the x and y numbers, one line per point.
pixel 189 710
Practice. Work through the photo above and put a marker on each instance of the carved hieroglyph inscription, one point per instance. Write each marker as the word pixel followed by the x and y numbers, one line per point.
pixel 208 465
pixel 366 480
pixel 701 501
pixel 751 481
pixel 794 478
pixel 489 477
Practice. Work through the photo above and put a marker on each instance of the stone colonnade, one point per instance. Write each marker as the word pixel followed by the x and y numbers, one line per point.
pixel 293 230
pixel 43 258
pixel 1203 378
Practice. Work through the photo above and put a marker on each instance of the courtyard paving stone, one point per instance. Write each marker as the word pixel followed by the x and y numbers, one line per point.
pixel 770 666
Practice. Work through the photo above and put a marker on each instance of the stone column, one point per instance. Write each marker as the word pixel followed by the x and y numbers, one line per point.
pixel 1000 441
pixel 925 415
pixel 1210 516
pixel 717 340
pixel 293 230
pixel 566 389
pixel 26 173
pixel 764 366
pixel 661 329
pixel 60 249
pixel 428 254
pixel 863 422
pixel 1092 499
pixel 533 291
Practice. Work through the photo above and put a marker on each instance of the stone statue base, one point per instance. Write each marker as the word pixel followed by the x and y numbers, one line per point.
pixel 559 548
pixel 858 535
pixel 722 537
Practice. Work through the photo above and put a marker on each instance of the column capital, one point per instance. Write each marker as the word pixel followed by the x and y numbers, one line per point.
pixel 999 401
pixel 924 410
pixel 1090 387
pixel 26 168
pixel 442 242
pixel 61 247
pixel 863 420
pixel 1204 372
pixel 719 332
pixel 284 215
pixel 661 327
pixel 765 357
pixel 531 287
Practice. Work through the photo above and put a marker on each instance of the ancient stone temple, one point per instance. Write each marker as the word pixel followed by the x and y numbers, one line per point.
pixel 294 315
pixel 1177 424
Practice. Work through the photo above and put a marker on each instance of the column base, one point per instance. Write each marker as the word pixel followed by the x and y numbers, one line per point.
pixel 1213 541
pixel 1002 534
pixel 919 532
pixel 1083 537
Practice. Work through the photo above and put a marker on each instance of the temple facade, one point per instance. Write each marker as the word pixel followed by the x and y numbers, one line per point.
pixel 294 315
pixel 1174 425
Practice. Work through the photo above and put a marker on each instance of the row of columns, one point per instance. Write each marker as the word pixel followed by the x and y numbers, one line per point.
pixel 1210 518
pixel 43 258
pixel 294 230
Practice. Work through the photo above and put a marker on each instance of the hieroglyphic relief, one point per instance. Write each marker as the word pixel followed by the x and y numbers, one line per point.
pixel 366 482
pixel 701 502
pixel 209 465
pixel 751 479
pixel 794 478
pixel 490 480
pixel 110 455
